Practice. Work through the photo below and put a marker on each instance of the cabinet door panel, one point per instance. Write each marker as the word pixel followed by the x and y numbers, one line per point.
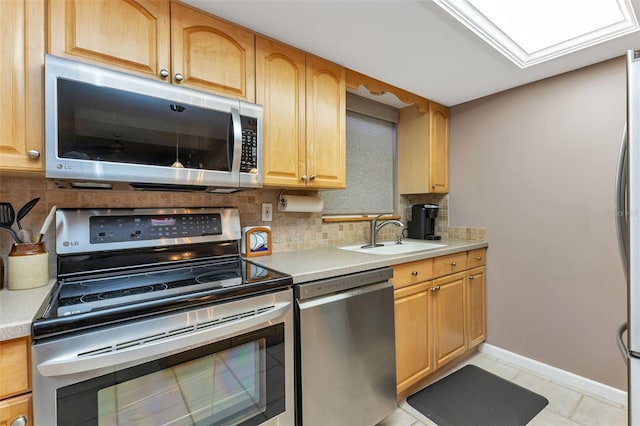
pixel 21 114
pixel 476 306
pixel 413 336
pixel 212 54
pixel 280 89
pixel 14 367
pixel 438 148
pixel 326 117
pixel 11 409
pixel 132 35
pixel 449 317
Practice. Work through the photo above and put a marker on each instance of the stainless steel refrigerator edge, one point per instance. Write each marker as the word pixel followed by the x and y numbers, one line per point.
pixel 628 224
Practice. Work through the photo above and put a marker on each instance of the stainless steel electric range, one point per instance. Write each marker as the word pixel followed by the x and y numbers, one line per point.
pixel 156 319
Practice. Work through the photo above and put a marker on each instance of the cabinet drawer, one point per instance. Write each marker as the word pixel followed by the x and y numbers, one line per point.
pixel 13 408
pixel 410 273
pixel 445 265
pixel 476 258
pixel 14 367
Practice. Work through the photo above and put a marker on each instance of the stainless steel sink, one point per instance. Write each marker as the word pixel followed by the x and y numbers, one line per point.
pixel 391 248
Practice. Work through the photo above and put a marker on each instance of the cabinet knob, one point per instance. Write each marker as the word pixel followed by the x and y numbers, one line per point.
pixel 436 288
pixel 179 77
pixel 304 178
pixel 312 177
pixel 414 273
pixel 478 257
pixel 19 421
pixel 472 277
pixel 433 186
pixel 34 154
pixel 164 73
pixel 453 264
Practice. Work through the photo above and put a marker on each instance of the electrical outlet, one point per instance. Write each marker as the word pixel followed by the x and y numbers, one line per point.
pixel 267 212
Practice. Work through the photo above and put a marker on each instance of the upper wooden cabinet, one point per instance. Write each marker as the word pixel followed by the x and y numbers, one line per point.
pixel 130 35
pixel 21 113
pixel 423 150
pixel 304 117
pixel 211 54
pixel 158 39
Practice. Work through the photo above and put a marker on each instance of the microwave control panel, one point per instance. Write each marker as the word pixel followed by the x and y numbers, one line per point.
pixel 249 159
pixel 113 229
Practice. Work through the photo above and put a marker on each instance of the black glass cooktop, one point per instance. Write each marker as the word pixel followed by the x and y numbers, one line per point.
pixel 83 302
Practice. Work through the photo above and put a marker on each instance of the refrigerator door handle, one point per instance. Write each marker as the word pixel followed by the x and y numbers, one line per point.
pixel 623 348
pixel 621 200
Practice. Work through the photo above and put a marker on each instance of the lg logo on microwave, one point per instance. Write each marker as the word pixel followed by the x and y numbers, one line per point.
pixel 70 243
pixel 63 167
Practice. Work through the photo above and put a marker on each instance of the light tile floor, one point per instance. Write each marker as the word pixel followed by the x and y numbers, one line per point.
pixel 567 406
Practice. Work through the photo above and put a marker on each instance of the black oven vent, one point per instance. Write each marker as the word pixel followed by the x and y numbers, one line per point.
pixel 172 333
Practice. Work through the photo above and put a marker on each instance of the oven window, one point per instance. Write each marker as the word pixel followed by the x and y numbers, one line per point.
pixel 236 381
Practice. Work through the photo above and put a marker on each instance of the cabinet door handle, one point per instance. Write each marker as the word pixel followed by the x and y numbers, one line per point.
pixel 436 288
pixel 164 73
pixel 472 277
pixel 33 154
pixel 433 186
pixel 478 257
pixel 304 178
pixel 453 264
pixel 414 273
pixel 312 177
pixel 178 77
pixel 19 421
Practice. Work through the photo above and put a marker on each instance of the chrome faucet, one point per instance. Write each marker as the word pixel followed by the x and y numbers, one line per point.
pixel 375 228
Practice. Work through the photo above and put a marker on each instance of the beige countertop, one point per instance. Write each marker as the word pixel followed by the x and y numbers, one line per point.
pixel 18 307
pixel 319 263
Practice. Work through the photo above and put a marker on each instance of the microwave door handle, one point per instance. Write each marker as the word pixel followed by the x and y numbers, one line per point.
pixel 235 142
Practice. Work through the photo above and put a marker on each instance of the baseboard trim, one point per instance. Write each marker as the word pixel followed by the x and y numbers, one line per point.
pixel 581 383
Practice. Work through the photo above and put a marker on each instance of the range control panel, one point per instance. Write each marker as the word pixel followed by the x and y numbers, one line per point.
pixel 92 230
pixel 112 229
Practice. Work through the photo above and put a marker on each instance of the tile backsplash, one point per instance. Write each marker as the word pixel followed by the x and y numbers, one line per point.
pixel 290 231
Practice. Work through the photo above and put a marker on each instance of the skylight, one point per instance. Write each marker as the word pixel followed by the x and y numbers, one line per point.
pixel 532 31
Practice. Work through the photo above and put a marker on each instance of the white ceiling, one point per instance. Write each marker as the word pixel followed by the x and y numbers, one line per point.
pixel 411 44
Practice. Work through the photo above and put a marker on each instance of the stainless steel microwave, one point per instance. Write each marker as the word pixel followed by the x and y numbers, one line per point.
pixel 108 129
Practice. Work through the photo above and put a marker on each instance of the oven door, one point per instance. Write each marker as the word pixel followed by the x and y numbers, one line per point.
pixel 224 364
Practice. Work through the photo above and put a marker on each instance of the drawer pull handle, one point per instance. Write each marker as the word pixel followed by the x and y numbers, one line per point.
pixel 436 288
pixel 453 264
pixel 414 273
pixel 478 257
pixel 19 421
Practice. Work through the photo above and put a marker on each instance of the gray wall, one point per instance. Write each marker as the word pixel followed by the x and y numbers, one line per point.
pixel 536 166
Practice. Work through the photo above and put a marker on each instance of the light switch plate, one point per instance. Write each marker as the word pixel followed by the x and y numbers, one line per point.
pixel 267 212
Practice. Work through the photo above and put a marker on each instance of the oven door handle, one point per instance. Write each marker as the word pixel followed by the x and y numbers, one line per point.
pixel 72 363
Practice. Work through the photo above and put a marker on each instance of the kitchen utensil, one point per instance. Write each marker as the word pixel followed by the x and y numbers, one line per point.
pixel 46 224
pixel 25 209
pixel 25 235
pixel 7 216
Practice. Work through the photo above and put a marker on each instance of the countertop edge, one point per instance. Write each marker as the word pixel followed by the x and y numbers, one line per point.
pixel 18 307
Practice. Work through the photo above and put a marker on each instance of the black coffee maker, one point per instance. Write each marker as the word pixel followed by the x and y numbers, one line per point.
pixel 422 225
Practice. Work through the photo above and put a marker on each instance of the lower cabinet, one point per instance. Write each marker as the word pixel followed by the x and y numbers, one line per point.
pixel 413 344
pixel 15 382
pixel 438 318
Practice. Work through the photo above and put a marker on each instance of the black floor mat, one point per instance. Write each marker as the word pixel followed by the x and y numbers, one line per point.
pixel 472 396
